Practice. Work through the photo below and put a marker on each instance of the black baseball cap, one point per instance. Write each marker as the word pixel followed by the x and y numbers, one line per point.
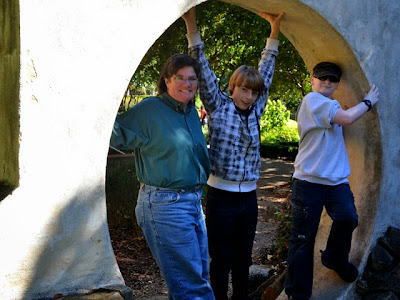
pixel 327 69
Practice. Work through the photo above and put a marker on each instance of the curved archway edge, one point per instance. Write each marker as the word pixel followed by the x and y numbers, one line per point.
pixel 76 61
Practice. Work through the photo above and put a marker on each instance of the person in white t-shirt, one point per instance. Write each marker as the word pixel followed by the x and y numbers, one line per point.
pixel 320 180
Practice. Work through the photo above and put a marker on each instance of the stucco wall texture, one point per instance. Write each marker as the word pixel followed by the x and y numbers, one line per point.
pixel 76 59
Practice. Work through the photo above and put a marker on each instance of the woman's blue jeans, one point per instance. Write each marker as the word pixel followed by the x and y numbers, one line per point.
pixel 173 224
pixel 308 200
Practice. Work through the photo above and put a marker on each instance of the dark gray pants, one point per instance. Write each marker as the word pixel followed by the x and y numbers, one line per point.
pixel 231 220
pixel 308 200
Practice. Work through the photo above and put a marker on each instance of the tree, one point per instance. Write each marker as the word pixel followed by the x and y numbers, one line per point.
pixel 232 38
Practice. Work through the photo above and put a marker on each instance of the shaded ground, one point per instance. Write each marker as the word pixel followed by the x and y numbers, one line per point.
pixel 141 272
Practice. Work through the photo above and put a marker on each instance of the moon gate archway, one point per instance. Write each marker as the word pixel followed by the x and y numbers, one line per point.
pixel 74 61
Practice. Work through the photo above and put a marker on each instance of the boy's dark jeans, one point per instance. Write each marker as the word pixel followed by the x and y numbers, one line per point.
pixel 308 200
pixel 231 219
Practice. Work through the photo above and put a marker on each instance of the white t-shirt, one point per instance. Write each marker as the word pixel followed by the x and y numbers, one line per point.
pixel 322 156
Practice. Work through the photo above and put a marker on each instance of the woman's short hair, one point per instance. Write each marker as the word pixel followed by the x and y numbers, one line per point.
pixel 172 66
pixel 249 77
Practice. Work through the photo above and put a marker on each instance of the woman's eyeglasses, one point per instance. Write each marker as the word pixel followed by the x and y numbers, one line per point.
pixel 180 79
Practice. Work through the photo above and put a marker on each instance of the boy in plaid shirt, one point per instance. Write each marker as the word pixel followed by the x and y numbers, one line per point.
pixel 231 212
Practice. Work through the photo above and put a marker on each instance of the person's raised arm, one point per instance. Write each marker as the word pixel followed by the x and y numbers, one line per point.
pixel 349 116
pixel 190 20
pixel 209 90
pixel 274 21
pixel 266 66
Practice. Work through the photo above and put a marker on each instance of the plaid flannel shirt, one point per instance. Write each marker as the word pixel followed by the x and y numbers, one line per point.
pixel 234 138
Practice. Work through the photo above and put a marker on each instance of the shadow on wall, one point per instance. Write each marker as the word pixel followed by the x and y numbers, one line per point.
pixel 75 256
pixel 5 190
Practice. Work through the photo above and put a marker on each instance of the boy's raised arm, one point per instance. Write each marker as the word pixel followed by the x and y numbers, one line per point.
pixel 190 20
pixel 349 116
pixel 274 21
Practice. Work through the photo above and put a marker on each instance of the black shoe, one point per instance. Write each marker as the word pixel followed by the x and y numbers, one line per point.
pixel 348 272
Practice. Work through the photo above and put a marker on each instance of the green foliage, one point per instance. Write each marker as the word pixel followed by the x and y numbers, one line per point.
pixel 129 101
pixel 197 103
pixel 275 115
pixel 233 36
pixel 206 133
pixel 275 125
pixel 172 41
pixel 122 189
pixel 228 41
pixel 284 134
pixel 284 220
pixel 291 78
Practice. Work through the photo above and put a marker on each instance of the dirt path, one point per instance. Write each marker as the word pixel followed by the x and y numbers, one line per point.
pixel 272 191
pixel 142 274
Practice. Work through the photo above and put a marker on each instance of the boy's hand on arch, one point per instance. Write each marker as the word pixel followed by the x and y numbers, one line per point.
pixel 272 19
pixel 373 94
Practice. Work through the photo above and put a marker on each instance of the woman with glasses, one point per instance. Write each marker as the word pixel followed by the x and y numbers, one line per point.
pixel 172 166
pixel 320 180
pixel 233 122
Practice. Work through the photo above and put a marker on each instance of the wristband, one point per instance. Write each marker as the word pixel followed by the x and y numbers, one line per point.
pixel 368 103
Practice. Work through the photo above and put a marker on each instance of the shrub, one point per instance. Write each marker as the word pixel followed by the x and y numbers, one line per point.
pixel 276 115
pixel 279 137
pixel 277 256
pixel 276 126
pixel 284 220
pixel 122 188
pixel 129 101
pixel 206 133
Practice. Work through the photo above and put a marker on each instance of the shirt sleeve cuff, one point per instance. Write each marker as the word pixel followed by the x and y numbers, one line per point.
pixel 194 39
pixel 272 44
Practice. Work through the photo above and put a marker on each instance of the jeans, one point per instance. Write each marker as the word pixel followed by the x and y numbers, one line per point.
pixel 173 224
pixel 308 200
pixel 231 219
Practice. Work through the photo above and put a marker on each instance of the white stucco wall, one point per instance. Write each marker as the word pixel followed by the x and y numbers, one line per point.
pixel 77 58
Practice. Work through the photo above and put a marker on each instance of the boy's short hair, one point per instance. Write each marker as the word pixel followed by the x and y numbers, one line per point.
pixel 327 69
pixel 249 77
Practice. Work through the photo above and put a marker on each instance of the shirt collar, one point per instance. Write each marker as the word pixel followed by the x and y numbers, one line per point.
pixel 175 105
pixel 245 112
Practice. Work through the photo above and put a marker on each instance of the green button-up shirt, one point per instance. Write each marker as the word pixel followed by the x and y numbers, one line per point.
pixel 170 149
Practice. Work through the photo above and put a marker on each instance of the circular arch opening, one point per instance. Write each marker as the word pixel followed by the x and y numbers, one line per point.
pixel 317 40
